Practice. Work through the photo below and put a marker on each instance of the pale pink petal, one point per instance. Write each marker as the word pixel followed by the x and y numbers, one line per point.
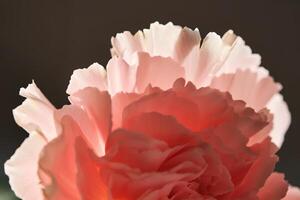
pixel 239 56
pixel 126 42
pixel 259 90
pixel 292 194
pixel 187 40
pixel 156 71
pixel 119 102
pixel 93 76
pixel 57 167
pixel 256 88
pixel 87 125
pixel 201 63
pixel 159 40
pixel 120 76
pixel 275 188
pixel 36 113
pixel 282 118
pixel 218 55
pixel 22 168
pixel 97 106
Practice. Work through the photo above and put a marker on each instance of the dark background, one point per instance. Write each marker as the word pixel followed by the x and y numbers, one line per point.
pixel 47 40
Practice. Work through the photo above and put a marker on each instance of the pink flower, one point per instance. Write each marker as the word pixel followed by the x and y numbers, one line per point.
pixel 170 119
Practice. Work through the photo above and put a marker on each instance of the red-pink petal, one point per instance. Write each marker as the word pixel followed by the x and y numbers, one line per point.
pixel 156 71
pixel 275 188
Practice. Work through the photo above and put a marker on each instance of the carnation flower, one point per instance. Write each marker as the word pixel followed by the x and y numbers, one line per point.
pixel 171 117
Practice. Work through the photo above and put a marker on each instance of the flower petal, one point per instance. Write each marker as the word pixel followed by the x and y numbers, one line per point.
pixel 22 168
pixel 259 171
pixel 257 87
pixel 97 105
pixel 88 180
pixel 292 194
pixel 36 113
pixel 259 90
pixel 57 167
pixel 156 71
pixel 159 40
pixel 93 76
pixel 120 76
pixel 282 118
pixel 275 187
pixel 217 56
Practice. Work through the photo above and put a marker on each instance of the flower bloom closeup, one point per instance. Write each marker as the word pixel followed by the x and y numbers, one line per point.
pixel 172 117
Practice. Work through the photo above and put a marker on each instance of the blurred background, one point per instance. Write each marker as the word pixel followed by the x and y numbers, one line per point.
pixel 47 40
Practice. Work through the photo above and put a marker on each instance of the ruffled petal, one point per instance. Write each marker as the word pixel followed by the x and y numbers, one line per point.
pixel 89 181
pixel 120 76
pixel 159 40
pixel 57 167
pixel 208 107
pixel 259 90
pixel 256 88
pixel 156 71
pixel 282 118
pixel 97 105
pixel 217 56
pixel 119 102
pixel 275 188
pixel 292 194
pixel 22 168
pixel 126 43
pixel 258 172
pixel 35 115
pixel 93 76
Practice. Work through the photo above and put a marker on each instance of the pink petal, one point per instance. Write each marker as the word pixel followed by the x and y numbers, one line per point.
pixel 136 150
pixel 57 167
pixel 87 125
pixel 126 42
pixel 259 90
pixel 275 188
pixel 187 40
pixel 292 194
pixel 93 76
pixel 239 55
pixel 36 113
pixel 157 71
pixel 88 177
pixel 22 168
pixel 217 56
pixel 120 76
pixel 161 127
pixel 119 102
pixel 97 105
pixel 207 106
pixel 259 171
pixel 257 87
pixel 159 40
pixel 282 118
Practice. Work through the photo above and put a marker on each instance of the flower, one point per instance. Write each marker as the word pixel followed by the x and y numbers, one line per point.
pixel 169 119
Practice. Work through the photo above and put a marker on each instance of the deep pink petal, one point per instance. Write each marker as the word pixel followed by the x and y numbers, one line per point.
pixel 275 187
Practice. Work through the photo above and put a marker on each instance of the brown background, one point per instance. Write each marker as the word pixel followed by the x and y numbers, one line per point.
pixel 47 40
